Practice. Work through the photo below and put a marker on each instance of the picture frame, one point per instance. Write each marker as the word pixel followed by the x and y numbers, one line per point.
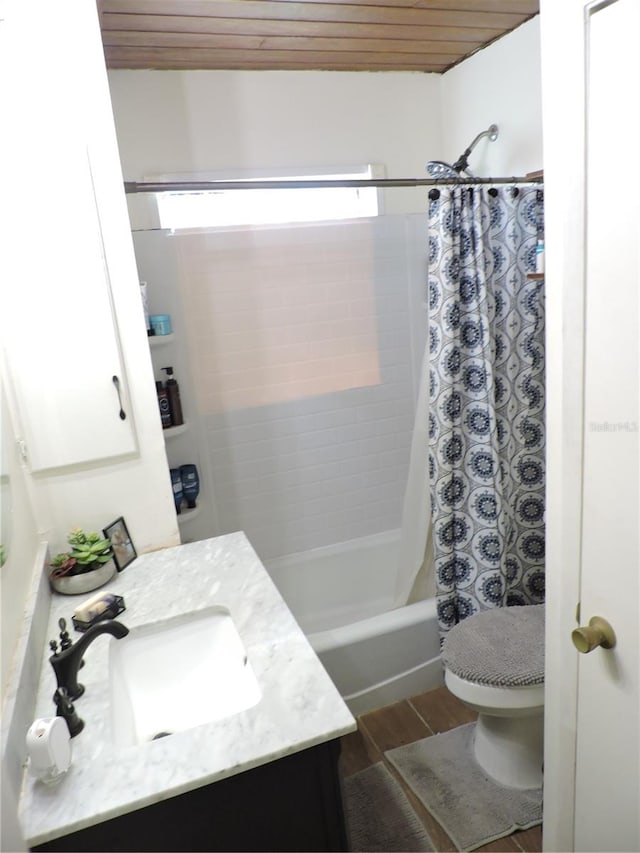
pixel 124 552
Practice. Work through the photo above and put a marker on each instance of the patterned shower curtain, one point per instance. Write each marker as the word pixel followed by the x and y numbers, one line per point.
pixel 486 419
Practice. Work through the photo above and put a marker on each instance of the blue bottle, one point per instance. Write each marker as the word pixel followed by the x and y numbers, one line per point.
pixel 190 484
pixel 176 485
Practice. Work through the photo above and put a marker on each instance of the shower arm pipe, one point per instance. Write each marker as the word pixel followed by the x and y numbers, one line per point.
pixel 196 186
pixel 463 160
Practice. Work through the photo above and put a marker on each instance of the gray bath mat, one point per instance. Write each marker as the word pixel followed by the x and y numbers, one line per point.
pixel 379 816
pixel 473 809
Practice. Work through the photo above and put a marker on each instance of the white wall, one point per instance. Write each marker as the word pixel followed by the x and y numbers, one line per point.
pixel 18 535
pixel 498 85
pixel 194 121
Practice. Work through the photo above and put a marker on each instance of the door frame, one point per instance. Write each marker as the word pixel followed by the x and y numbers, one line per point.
pixel 562 27
pixel 565 33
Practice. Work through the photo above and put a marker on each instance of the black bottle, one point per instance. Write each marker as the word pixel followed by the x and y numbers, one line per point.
pixel 174 398
pixel 176 485
pixel 190 483
pixel 163 402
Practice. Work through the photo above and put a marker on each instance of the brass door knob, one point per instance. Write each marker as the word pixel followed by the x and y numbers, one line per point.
pixel 598 633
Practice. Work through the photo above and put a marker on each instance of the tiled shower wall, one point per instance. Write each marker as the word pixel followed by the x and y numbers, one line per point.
pixel 303 346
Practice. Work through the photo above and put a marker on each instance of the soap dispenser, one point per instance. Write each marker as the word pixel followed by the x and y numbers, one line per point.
pixel 173 392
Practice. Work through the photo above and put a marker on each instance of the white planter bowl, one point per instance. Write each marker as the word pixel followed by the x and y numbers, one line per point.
pixel 78 584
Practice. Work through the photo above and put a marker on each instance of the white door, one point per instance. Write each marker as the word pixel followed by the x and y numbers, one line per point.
pixel 591 104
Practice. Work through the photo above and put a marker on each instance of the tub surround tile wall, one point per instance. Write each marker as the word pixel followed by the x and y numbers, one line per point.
pixel 299 708
pixel 303 344
pixel 279 314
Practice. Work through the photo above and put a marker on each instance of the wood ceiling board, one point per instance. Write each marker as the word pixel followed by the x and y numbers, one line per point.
pixel 335 12
pixel 203 7
pixel 361 35
pixel 192 40
pixel 245 26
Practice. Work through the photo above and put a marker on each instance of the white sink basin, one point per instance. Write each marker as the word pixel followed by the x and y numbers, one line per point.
pixel 173 675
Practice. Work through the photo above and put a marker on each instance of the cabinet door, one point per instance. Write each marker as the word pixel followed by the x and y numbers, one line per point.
pixel 59 333
pixel 63 349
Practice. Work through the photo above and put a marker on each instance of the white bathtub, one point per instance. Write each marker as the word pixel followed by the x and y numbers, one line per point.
pixel 341 597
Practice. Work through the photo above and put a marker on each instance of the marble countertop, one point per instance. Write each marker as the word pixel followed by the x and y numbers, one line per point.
pixel 299 707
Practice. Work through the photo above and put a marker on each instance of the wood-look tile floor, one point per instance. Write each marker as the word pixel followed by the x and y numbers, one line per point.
pixel 413 719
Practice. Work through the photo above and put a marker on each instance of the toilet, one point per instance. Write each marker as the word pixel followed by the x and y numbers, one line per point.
pixel 494 663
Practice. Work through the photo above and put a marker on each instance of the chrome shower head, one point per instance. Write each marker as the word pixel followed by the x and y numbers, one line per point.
pixel 439 169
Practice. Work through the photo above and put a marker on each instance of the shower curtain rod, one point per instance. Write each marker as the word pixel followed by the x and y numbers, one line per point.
pixel 186 186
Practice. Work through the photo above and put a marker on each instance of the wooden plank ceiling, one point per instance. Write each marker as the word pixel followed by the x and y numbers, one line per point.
pixel 343 35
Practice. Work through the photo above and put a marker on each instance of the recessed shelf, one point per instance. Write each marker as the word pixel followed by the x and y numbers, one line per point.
pixel 157 340
pixel 170 432
pixel 188 514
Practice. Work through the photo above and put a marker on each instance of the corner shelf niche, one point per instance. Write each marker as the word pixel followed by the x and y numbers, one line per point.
pixel 170 432
pixel 158 340
pixel 187 514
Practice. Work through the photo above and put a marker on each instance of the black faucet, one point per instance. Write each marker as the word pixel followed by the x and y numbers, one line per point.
pixel 66 663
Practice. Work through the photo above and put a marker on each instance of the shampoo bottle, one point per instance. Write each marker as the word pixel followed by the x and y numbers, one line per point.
pixel 176 485
pixel 174 398
pixel 163 403
pixel 190 483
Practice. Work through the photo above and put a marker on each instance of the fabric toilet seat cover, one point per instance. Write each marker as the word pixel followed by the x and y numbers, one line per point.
pixel 502 647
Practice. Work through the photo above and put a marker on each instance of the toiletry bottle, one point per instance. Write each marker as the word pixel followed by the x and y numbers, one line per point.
pixel 540 255
pixel 190 484
pixel 176 485
pixel 174 398
pixel 163 402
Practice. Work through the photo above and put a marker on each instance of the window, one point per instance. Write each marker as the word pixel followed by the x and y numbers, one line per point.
pixel 218 208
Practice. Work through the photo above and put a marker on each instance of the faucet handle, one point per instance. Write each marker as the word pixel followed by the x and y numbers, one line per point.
pixel 65 640
pixel 53 646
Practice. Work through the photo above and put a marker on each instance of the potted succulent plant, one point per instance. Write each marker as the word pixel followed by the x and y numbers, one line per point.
pixel 86 566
